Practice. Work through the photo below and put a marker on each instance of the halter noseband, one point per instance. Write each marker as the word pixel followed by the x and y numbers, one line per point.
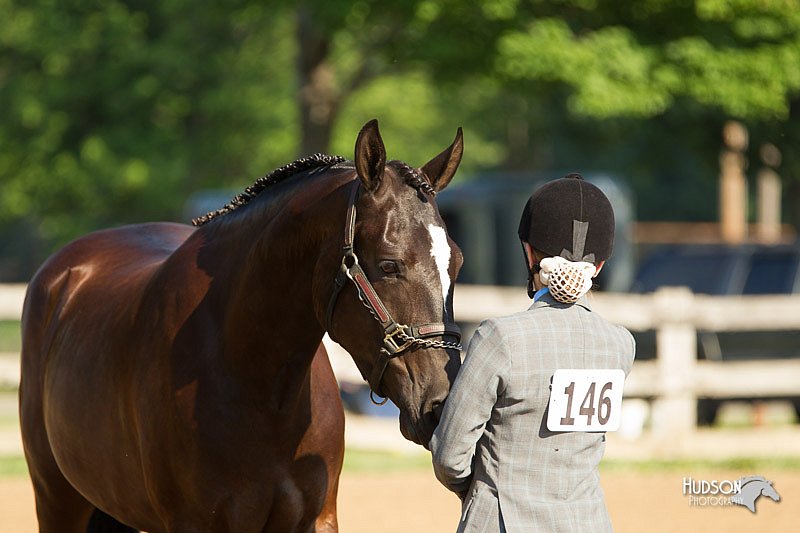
pixel 398 338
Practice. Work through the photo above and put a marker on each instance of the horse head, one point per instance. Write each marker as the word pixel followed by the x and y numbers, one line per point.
pixel 400 245
pixel 769 491
pixel 753 487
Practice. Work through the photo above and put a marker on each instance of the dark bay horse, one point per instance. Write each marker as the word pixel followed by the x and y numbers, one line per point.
pixel 173 378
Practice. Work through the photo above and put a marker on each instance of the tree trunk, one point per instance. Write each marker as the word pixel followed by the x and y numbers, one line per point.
pixel 318 97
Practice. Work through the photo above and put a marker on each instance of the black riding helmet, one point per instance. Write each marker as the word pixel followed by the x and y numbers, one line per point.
pixel 571 218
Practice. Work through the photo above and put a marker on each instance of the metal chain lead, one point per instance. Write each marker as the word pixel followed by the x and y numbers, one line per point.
pixel 426 343
pixel 431 344
pixel 414 341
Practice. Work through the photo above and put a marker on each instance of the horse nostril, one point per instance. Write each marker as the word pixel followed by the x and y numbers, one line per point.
pixel 436 408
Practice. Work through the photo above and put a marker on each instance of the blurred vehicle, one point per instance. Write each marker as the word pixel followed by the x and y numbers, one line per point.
pixel 725 270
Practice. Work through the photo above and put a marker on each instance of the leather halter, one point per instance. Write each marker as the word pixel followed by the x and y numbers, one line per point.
pixel 398 338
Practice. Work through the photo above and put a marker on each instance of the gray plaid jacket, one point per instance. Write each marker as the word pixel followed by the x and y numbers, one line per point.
pixel 493 441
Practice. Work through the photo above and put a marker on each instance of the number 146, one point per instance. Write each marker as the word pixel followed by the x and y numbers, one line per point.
pixel 588 409
pixel 597 392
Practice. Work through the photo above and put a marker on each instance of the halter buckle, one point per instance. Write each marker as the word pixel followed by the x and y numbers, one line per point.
pixel 397 340
pixel 349 254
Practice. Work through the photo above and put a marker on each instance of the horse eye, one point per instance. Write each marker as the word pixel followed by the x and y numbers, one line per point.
pixel 389 267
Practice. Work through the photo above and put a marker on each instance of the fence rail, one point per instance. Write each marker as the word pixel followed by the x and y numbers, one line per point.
pixel 674 380
pixel 11 298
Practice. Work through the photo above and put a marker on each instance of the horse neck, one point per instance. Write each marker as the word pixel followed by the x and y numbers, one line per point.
pixel 269 253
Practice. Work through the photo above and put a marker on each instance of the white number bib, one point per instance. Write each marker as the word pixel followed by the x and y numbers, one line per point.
pixel 586 400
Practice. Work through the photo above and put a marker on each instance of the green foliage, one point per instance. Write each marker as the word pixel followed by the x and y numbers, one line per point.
pixel 612 75
pixel 637 59
pixel 416 121
pixel 113 112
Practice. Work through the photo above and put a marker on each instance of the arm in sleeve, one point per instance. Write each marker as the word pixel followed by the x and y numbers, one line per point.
pixel 481 380
pixel 629 358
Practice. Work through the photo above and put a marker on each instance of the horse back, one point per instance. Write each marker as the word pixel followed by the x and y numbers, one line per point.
pixel 92 274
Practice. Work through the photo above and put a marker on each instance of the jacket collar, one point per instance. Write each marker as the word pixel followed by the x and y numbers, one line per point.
pixel 543 298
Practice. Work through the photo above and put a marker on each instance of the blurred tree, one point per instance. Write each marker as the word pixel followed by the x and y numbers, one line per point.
pixel 671 72
pixel 575 81
pixel 637 58
pixel 112 110
pixel 345 45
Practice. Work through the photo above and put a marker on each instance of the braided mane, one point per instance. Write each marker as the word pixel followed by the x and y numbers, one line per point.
pixel 411 176
pixel 276 176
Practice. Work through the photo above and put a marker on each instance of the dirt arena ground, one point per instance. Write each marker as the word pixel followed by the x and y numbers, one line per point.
pixel 414 502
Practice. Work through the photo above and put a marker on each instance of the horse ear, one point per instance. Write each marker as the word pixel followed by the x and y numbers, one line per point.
pixel 370 155
pixel 441 169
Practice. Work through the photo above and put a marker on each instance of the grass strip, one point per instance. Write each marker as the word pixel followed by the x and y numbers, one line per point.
pixel 748 464
pixel 356 460
pixel 371 461
pixel 10 340
pixel 13 466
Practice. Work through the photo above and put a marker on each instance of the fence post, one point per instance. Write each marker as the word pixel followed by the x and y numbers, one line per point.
pixel 675 408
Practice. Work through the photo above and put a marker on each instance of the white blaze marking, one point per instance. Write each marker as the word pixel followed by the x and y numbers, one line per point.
pixel 440 251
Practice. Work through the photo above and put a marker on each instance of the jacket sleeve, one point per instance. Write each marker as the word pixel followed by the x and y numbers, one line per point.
pixel 481 380
pixel 631 355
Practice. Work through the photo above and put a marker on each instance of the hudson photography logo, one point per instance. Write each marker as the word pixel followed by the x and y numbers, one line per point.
pixel 726 492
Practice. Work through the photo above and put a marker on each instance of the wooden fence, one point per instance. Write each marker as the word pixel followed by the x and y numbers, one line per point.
pixel 674 380
pixel 11 298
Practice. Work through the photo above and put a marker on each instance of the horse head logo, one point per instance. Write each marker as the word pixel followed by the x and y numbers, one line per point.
pixel 752 488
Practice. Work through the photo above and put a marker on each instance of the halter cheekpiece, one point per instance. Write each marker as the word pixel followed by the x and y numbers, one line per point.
pixel 398 338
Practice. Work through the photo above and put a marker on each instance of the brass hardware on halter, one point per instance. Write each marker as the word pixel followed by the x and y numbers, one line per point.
pixel 392 345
